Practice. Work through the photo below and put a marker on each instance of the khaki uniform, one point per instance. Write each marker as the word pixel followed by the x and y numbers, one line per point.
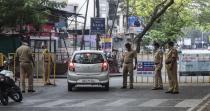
pixel 47 65
pixel 172 69
pixel 158 59
pixel 128 66
pixel 24 53
pixel 2 58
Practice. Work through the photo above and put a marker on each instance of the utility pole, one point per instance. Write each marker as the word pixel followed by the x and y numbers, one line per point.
pixel 94 9
pixel 75 35
pixel 82 46
pixel 97 9
pixel 115 16
pixel 127 11
pixel 97 15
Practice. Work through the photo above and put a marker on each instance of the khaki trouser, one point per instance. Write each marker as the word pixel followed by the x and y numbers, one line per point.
pixel 158 78
pixel 47 72
pixel 26 70
pixel 172 77
pixel 127 68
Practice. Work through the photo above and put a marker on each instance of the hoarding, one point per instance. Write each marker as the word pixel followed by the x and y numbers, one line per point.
pixel 106 42
pixel 194 63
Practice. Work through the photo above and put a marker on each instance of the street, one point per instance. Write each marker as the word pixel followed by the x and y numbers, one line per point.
pixel 142 98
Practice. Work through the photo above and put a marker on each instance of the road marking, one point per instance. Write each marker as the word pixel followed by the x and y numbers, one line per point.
pixel 32 101
pixel 188 103
pixel 54 103
pixel 152 103
pixel 120 102
pixel 86 103
pixel 201 105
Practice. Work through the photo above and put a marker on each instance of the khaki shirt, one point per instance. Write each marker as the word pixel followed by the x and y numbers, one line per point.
pixel 2 58
pixel 129 56
pixel 172 53
pixel 24 53
pixel 47 57
pixel 158 57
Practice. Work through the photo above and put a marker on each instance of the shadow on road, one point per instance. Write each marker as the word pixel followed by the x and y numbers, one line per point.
pixel 89 89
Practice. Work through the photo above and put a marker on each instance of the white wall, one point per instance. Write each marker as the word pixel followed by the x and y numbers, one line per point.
pixel 103 10
pixel 83 10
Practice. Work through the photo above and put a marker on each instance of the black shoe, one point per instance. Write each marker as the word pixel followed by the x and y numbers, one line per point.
pixel 131 87
pixel 160 88
pixel 48 84
pixel 154 88
pixel 168 92
pixel 23 91
pixel 175 93
pixel 31 91
pixel 124 87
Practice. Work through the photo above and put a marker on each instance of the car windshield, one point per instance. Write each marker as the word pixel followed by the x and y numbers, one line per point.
pixel 88 58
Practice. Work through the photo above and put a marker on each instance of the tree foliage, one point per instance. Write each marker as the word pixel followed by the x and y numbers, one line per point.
pixel 20 12
pixel 172 22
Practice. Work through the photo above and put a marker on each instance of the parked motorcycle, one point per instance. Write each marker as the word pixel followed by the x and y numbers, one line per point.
pixel 8 88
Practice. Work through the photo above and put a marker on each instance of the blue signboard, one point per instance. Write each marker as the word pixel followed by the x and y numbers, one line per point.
pixel 133 21
pixel 146 68
pixel 97 25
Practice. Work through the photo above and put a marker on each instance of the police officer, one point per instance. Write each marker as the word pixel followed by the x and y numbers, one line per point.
pixel 158 58
pixel 171 67
pixel 47 65
pixel 2 59
pixel 128 67
pixel 24 56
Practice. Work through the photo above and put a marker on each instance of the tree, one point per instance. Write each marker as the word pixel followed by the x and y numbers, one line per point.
pixel 21 12
pixel 170 25
pixel 159 10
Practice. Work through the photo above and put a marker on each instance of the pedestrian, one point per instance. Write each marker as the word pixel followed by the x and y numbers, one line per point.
pixel 158 59
pixel 26 61
pixel 127 64
pixel 47 65
pixel 171 67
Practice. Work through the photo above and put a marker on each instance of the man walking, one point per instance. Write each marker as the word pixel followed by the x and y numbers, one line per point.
pixel 24 55
pixel 128 67
pixel 158 59
pixel 171 67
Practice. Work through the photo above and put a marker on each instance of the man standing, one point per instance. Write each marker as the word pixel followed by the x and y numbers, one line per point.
pixel 158 59
pixel 24 56
pixel 127 61
pixel 171 67
pixel 2 59
pixel 47 65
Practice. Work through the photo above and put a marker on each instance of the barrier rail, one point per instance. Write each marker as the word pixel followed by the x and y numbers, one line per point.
pixel 181 79
pixel 38 69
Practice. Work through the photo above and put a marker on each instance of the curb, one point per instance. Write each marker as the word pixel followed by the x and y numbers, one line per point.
pixel 204 103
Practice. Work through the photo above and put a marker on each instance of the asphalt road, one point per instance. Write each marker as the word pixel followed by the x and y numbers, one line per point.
pixel 142 98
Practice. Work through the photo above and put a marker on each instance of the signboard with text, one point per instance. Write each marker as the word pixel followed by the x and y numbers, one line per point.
pixel 145 68
pixel 97 25
pixel 194 63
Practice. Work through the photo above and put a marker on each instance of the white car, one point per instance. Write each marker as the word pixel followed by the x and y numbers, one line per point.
pixel 88 67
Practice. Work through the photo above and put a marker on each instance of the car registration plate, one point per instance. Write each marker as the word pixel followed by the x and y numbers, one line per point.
pixel 88 81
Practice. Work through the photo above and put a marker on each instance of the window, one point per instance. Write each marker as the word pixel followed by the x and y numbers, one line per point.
pixel 88 58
